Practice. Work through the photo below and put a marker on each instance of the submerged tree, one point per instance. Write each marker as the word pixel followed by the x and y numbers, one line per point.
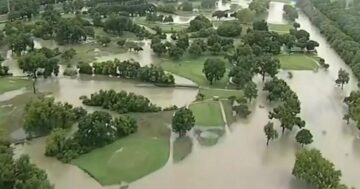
pixel 343 78
pixel 270 132
pixel 34 63
pixel 214 69
pixel 250 90
pixel 183 121
pixel 304 137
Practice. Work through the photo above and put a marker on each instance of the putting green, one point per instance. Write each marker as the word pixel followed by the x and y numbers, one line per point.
pixel 125 160
pixel 207 113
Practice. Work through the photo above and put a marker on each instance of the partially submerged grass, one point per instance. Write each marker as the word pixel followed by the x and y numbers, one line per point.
pixel 182 147
pixel 228 112
pixel 191 68
pixel 221 93
pixel 207 113
pixel 132 157
pixel 297 62
pixel 280 28
pixel 13 83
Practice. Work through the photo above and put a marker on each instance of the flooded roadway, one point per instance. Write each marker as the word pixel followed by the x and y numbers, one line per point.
pixel 241 158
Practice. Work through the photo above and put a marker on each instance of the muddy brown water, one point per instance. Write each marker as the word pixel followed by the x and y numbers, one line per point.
pixel 241 158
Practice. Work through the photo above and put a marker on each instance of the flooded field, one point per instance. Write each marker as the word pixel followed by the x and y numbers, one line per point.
pixel 241 157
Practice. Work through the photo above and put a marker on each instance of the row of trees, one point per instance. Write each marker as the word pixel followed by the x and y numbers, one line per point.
pixel 353 108
pixel 287 112
pixel 128 69
pixel 345 46
pixel 159 18
pixel 120 102
pixel 290 12
pixel 95 130
pixel 42 115
pixel 20 172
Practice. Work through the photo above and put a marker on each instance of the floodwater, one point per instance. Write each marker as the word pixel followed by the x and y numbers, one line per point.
pixel 241 158
pixel 275 13
pixel 70 89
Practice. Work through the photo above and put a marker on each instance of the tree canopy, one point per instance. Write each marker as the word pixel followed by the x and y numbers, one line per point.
pixel 314 169
pixel 183 121
pixel 214 69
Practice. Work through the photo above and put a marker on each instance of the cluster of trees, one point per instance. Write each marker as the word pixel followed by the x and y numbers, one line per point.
pixel 120 102
pixel 19 173
pixel 159 17
pixel 126 8
pixel 4 70
pixel 290 12
pixel 186 6
pixel 315 170
pixel 259 6
pixel 176 50
pixel 23 9
pixel 229 29
pixel 263 40
pixel 42 115
pixel 95 130
pixel 39 63
pixel 128 69
pixel 245 16
pixel 116 24
pixel 333 20
pixel 240 105
pixel 249 61
pixel 208 4
pixel 353 108
pixel 18 37
pixel 287 112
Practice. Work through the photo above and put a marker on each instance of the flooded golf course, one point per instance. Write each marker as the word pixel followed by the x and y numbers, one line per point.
pixel 241 157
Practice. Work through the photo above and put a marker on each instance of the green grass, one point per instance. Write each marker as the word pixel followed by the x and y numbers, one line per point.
pixel 12 83
pixel 12 112
pixel 228 112
pixel 280 28
pixel 221 93
pixel 191 68
pixel 166 27
pixel 132 157
pixel 182 148
pixel 297 62
pixel 207 113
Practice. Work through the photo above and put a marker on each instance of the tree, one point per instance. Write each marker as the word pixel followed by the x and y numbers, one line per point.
pixel 183 121
pixel 311 44
pixel 195 50
pixel 182 41
pixel 267 65
pixel 343 78
pixel 32 62
pixel 104 40
pixel 317 171
pixel 260 25
pixel 121 42
pixel 304 137
pixel 219 14
pixel 259 6
pixel 158 48
pixel 198 23
pixel 186 6
pixel 55 142
pixel 42 115
pixel 175 52
pixel 290 12
pixel 215 49
pixel 242 109
pixel 68 54
pixel 270 132
pixel 245 16
pixel 296 25
pixel 302 34
pixel 250 90
pixel 229 29
pixel 214 69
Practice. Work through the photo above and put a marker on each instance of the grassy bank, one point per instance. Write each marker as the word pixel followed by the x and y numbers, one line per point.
pixel 298 62
pixel 207 113
pixel 12 83
pixel 280 28
pixel 228 112
pixel 132 157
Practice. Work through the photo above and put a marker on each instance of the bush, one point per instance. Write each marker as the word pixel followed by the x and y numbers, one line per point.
pixel 229 29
